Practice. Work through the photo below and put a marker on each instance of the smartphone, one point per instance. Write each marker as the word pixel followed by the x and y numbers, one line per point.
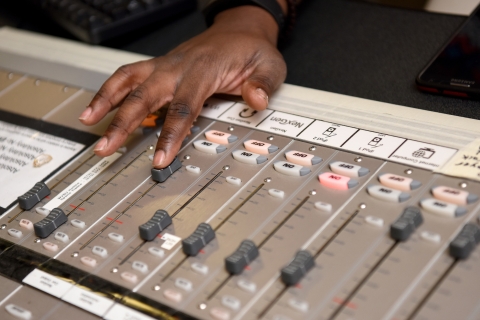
pixel 455 70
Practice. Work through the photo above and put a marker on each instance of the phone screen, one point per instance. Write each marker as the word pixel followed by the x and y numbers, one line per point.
pixel 458 64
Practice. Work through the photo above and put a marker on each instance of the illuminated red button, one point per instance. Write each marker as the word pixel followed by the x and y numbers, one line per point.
pixel 452 195
pixel 336 181
pixel 302 158
pixel 398 182
pixel 220 137
pixel 259 147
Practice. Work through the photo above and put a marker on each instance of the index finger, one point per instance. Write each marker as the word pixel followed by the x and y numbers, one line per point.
pixel 184 108
pixel 120 84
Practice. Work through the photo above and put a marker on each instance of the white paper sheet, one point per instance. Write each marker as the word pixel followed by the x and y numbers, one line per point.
pixel 19 147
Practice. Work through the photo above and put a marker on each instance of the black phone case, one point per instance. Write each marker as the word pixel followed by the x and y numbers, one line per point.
pixel 450 90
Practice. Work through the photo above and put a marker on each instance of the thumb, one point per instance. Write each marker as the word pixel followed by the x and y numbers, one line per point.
pixel 262 83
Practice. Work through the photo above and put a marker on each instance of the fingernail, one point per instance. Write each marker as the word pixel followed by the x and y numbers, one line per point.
pixel 85 114
pixel 262 94
pixel 101 144
pixel 158 158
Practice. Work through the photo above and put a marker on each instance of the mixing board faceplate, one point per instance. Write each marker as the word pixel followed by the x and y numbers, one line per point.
pixel 276 214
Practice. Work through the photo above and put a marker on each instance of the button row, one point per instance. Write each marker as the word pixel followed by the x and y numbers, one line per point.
pixel 447 201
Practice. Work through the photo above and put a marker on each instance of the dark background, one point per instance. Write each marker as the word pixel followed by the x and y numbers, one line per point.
pixel 344 46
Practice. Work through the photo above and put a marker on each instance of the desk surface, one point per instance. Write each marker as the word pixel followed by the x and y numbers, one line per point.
pixel 344 46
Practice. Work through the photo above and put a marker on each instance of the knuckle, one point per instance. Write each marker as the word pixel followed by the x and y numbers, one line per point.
pixel 264 81
pixel 175 58
pixel 104 95
pixel 156 104
pixel 179 110
pixel 139 95
pixel 206 57
pixel 118 126
pixel 124 71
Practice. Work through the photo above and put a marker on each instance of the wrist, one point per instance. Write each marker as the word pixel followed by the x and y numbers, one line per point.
pixel 248 19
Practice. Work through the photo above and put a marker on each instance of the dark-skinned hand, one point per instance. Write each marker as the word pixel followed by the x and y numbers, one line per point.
pixel 237 55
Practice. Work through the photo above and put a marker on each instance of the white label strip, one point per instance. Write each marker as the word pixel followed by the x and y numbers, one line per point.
pixel 327 133
pixel 213 108
pixel 170 241
pixel 423 155
pixel 47 283
pixel 82 181
pixel 375 144
pixel 285 123
pixel 244 115
pixel 88 301
pixel 120 312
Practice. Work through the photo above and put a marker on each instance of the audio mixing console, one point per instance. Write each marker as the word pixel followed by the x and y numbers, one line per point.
pixel 321 207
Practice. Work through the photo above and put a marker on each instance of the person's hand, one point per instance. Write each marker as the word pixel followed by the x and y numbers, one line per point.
pixel 237 55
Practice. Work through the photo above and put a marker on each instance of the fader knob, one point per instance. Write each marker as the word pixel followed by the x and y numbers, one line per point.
pixel 465 242
pixel 50 223
pixel 33 196
pixel 160 175
pixel 297 268
pixel 245 253
pixel 198 239
pixel 406 224
pixel 159 221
